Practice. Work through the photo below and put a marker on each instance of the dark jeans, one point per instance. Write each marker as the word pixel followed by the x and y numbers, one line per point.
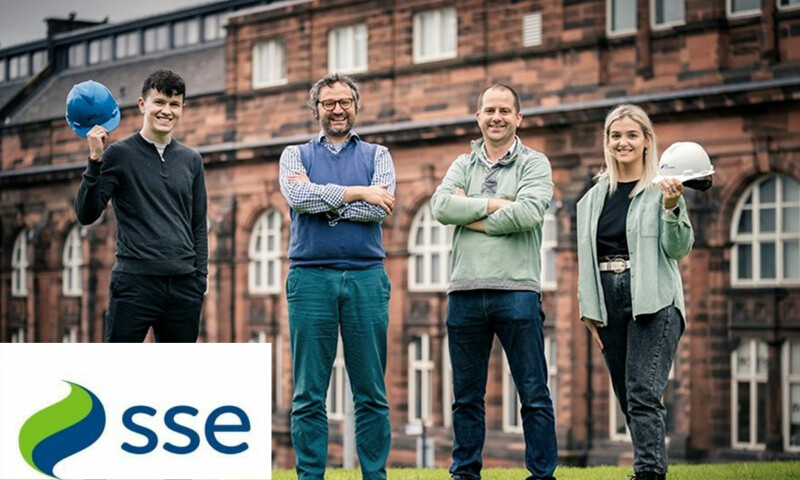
pixel 473 318
pixel 170 304
pixel 639 355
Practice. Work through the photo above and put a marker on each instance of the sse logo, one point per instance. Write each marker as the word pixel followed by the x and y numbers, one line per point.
pixel 73 424
pixel 62 430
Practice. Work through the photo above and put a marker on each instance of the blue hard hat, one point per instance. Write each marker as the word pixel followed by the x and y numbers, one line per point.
pixel 88 104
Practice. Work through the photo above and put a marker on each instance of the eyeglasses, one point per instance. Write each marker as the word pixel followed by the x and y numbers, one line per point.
pixel 329 105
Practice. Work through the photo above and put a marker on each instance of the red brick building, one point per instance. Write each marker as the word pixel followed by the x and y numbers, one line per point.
pixel 724 73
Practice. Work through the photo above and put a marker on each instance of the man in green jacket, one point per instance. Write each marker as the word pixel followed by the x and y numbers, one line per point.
pixel 497 197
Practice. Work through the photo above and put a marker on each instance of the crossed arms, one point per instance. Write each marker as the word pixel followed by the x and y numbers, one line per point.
pixel 355 203
pixel 494 216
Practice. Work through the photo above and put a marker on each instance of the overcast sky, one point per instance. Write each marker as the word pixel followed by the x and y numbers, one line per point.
pixel 23 20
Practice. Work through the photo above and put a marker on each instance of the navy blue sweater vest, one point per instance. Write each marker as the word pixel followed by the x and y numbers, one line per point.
pixel 346 245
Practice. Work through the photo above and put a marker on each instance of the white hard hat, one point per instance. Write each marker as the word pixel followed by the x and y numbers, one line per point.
pixel 684 161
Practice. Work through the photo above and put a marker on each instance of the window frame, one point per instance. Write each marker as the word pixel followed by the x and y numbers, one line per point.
pixel 755 238
pixel 787 7
pixel 182 32
pixel 510 399
pixel 669 24
pixel 274 45
pixel 417 34
pixel 38 61
pixel 70 335
pixel 266 256
pixel 77 51
pixel 72 264
pixel 610 32
pixel 447 384
pixel 551 218
pixel 753 378
pixel 124 41
pixel 160 32
pixel 426 250
pixel 104 50
pixel 743 14
pixel 20 265
pixel 787 380
pixel 17 335
pixel 353 32
pixel 425 368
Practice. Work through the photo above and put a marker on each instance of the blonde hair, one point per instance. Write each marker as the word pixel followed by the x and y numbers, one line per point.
pixel 638 115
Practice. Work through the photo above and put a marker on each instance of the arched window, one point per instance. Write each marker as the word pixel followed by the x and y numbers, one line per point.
pixel 19 265
pixel 265 254
pixel 766 234
pixel 429 245
pixel 72 261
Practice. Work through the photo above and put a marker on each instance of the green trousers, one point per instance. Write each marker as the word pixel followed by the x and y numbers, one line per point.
pixel 322 302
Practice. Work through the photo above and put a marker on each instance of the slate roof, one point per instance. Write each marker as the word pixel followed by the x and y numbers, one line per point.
pixel 202 66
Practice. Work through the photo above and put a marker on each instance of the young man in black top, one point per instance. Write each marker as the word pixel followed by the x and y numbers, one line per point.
pixel 157 189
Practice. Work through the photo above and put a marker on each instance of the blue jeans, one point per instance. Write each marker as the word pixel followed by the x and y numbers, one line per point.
pixel 322 301
pixel 639 355
pixel 473 318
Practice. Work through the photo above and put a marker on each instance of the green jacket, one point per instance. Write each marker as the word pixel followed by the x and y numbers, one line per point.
pixel 656 241
pixel 507 256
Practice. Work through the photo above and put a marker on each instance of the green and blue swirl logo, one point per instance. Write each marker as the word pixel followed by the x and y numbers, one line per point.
pixel 62 430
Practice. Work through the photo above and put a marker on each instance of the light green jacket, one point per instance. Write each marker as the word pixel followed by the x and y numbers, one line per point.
pixel 656 241
pixel 507 256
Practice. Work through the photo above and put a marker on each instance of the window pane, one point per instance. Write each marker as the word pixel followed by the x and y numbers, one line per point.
pixel 745 5
pixel 620 423
pixel 766 219
pixel 794 415
pixel 794 362
pixel 743 359
pixel 668 11
pixel 210 27
pixel 23 65
pixel 767 190
pixel 418 396
pixel 623 15
pixel 418 239
pixel 420 269
pixel 434 234
pixel 791 260
pixel 791 220
pixel 2 70
pixel 761 413
pixel 745 261
pixel 761 365
pixel 550 265
pixel 767 260
pixel 271 273
pixel 435 268
pixel 746 221
pixel 743 412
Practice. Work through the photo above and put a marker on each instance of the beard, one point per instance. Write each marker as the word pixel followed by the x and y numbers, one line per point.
pixel 337 132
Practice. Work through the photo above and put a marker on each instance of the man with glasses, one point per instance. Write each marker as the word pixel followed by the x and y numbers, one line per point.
pixel 340 188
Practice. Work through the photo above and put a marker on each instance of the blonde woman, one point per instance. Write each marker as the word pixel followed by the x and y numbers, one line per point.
pixel 631 234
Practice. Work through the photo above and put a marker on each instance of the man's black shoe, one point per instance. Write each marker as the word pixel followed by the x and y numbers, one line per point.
pixel 648 476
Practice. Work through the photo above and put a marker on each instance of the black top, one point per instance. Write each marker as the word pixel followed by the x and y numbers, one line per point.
pixel 611 238
pixel 160 206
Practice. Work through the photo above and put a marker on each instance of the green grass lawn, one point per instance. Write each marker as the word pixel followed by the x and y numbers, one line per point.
pixel 717 471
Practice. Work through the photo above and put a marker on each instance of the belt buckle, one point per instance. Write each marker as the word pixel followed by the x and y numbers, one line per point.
pixel 618 265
